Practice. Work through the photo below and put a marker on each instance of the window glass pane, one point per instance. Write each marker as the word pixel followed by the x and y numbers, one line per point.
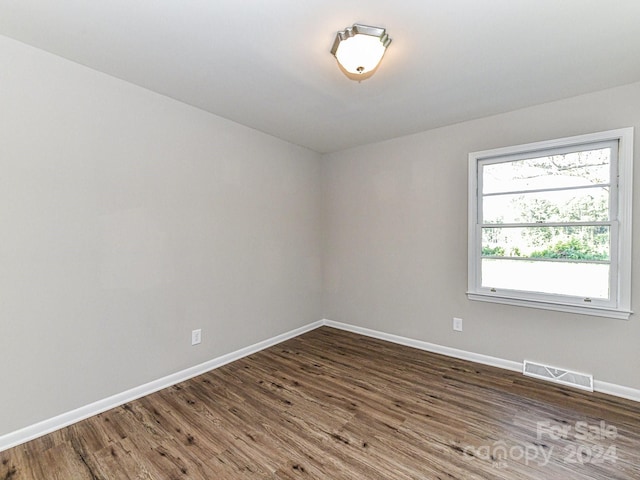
pixel 568 243
pixel 578 205
pixel 583 168
pixel 561 278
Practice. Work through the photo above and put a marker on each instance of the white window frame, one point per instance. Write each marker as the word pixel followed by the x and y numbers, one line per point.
pixel 619 306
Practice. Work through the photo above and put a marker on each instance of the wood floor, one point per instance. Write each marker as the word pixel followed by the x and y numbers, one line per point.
pixel 335 405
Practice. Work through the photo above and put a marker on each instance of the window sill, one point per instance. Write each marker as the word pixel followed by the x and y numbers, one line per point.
pixel 594 311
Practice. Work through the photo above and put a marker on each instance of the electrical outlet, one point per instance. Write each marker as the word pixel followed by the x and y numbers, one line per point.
pixel 457 324
pixel 196 336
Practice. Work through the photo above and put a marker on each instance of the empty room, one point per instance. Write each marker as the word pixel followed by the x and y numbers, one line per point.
pixel 319 240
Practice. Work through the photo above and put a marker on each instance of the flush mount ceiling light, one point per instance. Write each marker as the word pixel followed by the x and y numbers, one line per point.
pixel 359 50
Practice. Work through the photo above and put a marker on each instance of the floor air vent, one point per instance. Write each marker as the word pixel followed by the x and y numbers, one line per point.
pixel 558 375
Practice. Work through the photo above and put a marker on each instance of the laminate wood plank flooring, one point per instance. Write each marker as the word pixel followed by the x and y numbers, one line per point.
pixel 335 405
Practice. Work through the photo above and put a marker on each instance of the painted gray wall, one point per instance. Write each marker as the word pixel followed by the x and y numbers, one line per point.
pixel 395 242
pixel 129 219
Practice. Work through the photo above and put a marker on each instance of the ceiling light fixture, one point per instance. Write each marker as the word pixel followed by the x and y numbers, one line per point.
pixel 359 50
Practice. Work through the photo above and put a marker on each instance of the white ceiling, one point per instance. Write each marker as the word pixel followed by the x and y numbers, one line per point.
pixel 266 63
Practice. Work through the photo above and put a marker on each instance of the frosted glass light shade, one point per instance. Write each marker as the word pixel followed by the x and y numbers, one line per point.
pixel 360 48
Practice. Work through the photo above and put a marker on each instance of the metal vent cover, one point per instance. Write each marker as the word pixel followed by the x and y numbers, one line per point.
pixel 582 381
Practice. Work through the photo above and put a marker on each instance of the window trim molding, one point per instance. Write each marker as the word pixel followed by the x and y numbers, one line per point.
pixel 622 310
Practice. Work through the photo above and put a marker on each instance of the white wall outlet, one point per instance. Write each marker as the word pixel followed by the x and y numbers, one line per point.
pixel 196 336
pixel 457 324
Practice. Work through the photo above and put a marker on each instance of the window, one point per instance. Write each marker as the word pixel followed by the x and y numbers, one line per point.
pixel 550 224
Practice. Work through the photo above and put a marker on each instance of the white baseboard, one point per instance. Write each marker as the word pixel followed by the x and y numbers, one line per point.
pixel 598 386
pixel 60 421
pixel 617 390
pixel 428 347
